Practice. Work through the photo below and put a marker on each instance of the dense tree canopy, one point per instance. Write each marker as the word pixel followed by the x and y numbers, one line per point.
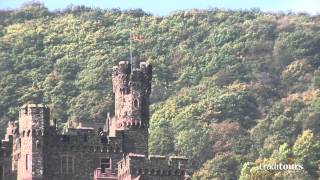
pixel 230 88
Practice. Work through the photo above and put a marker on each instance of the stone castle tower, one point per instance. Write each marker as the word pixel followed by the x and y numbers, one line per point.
pixel 34 149
pixel 132 91
pixel 33 123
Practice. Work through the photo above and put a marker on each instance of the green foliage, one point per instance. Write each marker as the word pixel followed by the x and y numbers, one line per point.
pixel 306 149
pixel 304 152
pixel 225 82
pixel 221 167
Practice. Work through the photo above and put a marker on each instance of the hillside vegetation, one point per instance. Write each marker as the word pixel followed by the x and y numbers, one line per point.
pixel 231 89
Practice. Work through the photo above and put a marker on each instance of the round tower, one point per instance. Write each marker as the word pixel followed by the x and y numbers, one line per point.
pixel 132 90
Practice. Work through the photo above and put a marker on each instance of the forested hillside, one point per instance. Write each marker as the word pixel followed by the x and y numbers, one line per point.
pixel 231 89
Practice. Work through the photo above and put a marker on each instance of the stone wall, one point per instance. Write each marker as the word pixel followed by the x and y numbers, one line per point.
pixel 6 172
pixel 84 153
pixel 152 168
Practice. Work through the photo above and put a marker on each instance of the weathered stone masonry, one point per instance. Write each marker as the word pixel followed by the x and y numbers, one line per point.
pixel 33 149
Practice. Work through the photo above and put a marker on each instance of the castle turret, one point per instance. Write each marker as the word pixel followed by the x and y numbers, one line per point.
pixel 33 122
pixel 132 91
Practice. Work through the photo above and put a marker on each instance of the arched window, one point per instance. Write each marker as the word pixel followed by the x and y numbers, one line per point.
pixel 28 133
pixel 37 144
pixel 26 110
pixel 136 103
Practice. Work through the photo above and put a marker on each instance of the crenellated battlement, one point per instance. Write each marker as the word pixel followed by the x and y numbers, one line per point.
pixel 33 116
pixel 124 68
pixel 134 165
pixel 124 78
pixel 84 140
pixel 29 109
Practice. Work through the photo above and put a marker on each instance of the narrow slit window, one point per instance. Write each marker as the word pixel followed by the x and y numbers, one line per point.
pixel 28 162
pixel 136 103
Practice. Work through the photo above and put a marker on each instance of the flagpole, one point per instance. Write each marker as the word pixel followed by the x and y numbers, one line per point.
pixel 131 51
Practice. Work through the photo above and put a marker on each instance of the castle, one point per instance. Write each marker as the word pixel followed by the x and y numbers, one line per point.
pixel 33 148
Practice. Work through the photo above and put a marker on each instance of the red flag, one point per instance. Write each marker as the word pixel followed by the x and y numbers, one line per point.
pixel 138 38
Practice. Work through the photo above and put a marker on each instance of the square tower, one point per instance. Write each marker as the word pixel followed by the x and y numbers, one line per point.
pixel 33 122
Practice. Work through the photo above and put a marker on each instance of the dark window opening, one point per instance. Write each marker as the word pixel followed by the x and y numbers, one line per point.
pixel 67 165
pixel 85 138
pixel 100 131
pixel 105 163
pixel 63 165
pixel 28 133
pixel 65 138
pixel 136 103
pixel 38 144
pixel 104 139
pixel 182 173
pixel 124 88
pixel 98 149
pixel 176 172
pixel 39 132
pixel 28 161
pixel 1 173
